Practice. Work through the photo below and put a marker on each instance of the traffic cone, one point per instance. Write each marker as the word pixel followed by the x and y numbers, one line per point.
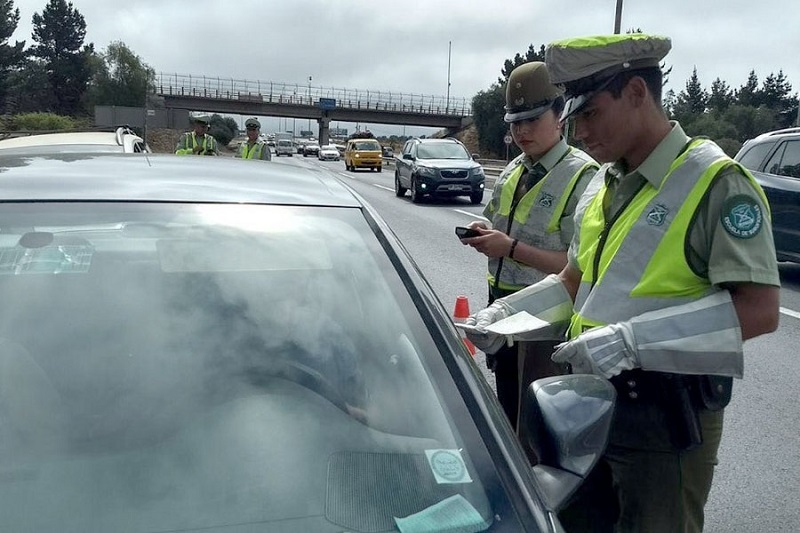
pixel 460 314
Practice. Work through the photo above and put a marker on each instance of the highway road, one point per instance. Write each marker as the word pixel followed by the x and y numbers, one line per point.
pixel 757 483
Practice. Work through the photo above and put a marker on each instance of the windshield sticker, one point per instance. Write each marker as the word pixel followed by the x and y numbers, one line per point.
pixel 742 217
pixel 448 466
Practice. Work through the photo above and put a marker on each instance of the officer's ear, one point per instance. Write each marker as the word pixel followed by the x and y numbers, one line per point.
pixel 636 91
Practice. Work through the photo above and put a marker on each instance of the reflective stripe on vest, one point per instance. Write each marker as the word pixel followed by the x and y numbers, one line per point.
pixel 537 218
pixel 643 266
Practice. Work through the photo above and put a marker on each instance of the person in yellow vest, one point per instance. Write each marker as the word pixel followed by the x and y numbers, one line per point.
pixel 671 269
pixel 254 147
pixel 531 211
pixel 199 141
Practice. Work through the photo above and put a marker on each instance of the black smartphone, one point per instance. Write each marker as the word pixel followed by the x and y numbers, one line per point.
pixel 466 233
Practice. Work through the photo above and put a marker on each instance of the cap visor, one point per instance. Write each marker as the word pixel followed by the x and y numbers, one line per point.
pixel 526 115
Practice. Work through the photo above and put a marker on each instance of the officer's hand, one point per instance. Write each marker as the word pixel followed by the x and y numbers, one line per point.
pixel 486 341
pixel 605 351
pixel 476 224
pixel 197 149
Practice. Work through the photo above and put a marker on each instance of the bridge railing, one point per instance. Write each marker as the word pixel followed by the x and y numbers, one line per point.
pixel 299 94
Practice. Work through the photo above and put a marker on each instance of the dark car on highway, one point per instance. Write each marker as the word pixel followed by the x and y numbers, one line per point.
pixel 438 167
pixel 196 344
pixel 774 160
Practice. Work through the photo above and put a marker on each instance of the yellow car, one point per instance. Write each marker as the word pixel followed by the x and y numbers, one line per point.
pixel 360 153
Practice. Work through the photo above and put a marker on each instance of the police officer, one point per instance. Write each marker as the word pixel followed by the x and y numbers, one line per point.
pixel 254 148
pixel 199 141
pixel 531 211
pixel 671 268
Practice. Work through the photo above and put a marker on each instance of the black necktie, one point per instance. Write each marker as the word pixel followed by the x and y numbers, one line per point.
pixel 534 176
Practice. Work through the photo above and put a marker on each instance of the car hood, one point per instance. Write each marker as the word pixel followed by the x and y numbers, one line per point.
pixel 448 163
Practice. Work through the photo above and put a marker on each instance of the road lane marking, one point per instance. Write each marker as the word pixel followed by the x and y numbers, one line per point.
pixel 473 215
pixel 382 187
pixel 789 312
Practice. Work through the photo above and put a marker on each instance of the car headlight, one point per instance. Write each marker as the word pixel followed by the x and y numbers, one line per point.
pixel 426 171
pixel 477 171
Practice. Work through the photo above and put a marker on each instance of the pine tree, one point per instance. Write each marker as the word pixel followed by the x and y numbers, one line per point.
pixel 11 56
pixel 721 96
pixel 748 94
pixel 59 33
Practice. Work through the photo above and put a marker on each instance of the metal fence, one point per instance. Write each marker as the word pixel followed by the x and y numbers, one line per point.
pixel 299 94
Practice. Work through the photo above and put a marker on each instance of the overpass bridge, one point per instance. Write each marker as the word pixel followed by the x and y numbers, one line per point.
pixel 319 103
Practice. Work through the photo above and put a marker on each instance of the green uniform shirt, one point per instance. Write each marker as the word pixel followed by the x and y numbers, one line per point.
pixel 713 251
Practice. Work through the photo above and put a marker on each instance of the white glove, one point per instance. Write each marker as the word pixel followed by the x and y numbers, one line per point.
pixel 486 341
pixel 605 351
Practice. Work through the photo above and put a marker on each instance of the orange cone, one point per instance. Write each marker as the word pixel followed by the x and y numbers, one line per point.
pixel 460 314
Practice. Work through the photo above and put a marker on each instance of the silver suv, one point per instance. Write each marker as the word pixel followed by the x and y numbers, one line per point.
pixel 438 167
pixel 774 160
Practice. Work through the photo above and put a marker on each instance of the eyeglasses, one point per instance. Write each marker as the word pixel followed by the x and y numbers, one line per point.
pixel 252 127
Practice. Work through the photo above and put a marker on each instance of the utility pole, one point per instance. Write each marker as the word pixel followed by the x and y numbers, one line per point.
pixel 309 101
pixel 618 17
pixel 449 48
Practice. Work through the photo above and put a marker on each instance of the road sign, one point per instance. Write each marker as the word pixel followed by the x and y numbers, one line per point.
pixel 327 103
pixel 151 112
pixel 507 139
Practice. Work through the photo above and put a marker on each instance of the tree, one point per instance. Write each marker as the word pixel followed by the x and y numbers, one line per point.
pixel 223 129
pixel 510 64
pixel 748 94
pixel 11 56
pixel 692 100
pixel 721 96
pixel 121 77
pixel 776 95
pixel 487 112
pixel 59 33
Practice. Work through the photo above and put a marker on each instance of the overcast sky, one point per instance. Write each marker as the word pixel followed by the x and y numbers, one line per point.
pixel 403 46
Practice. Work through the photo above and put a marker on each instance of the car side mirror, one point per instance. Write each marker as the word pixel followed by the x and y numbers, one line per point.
pixel 475 157
pixel 408 156
pixel 564 426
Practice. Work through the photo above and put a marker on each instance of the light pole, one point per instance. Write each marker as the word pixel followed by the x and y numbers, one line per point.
pixel 449 48
pixel 618 17
pixel 309 101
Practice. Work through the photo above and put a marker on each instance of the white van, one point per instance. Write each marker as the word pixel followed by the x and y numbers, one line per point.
pixel 284 147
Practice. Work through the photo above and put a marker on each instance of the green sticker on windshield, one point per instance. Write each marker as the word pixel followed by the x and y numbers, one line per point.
pixel 742 216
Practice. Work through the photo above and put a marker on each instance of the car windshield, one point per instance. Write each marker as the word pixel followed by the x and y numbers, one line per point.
pixel 329 148
pixel 442 151
pixel 178 367
pixel 367 145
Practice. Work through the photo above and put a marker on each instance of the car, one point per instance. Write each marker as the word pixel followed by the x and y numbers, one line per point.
pixel 284 147
pixel 328 152
pixel 311 148
pixel 122 139
pixel 363 153
pixel 202 345
pixel 438 167
pixel 774 160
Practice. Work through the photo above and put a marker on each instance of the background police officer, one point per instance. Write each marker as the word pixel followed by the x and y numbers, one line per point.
pixel 254 147
pixel 199 141
pixel 531 211
pixel 672 267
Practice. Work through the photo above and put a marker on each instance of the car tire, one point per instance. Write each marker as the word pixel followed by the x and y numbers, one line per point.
pixel 399 190
pixel 476 197
pixel 380 169
pixel 416 196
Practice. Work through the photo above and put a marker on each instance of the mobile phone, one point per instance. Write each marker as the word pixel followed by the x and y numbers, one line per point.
pixel 466 233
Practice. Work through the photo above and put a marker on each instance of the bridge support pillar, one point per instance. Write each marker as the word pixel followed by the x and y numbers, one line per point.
pixel 324 130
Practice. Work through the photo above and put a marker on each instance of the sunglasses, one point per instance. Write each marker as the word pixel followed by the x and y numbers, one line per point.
pixel 252 127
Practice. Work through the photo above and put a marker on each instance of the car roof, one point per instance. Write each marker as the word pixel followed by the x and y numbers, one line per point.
pixel 53 139
pixel 443 140
pixel 167 178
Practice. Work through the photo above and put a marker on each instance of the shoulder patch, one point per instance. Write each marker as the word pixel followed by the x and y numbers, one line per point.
pixel 742 216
